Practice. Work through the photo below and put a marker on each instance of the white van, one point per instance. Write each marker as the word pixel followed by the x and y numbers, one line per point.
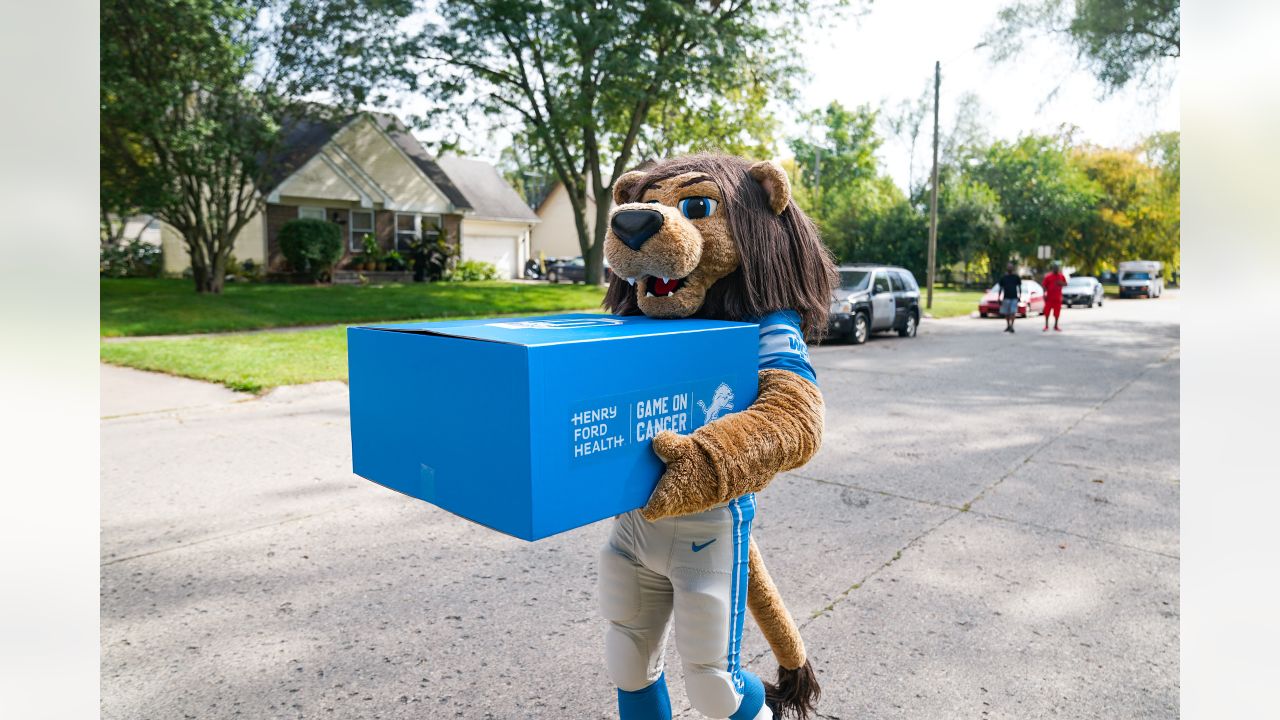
pixel 1141 277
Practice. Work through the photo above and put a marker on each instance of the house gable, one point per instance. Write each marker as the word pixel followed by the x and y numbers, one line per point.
pixel 360 165
pixel 406 187
pixel 319 178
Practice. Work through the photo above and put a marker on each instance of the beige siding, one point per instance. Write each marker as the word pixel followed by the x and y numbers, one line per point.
pixel 175 250
pixel 557 234
pixel 250 244
pixel 316 179
pixel 395 174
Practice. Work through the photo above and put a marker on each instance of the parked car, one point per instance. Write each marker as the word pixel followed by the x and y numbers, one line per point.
pixel 573 270
pixel 568 270
pixel 1141 277
pixel 874 298
pixel 1030 303
pixel 1083 290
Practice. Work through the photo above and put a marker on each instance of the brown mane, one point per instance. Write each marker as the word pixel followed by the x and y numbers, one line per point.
pixel 784 264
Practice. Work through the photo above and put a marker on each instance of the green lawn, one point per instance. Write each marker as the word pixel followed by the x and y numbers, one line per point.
pixel 251 362
pixel 171 307
pixel 952 303
pixel 255 362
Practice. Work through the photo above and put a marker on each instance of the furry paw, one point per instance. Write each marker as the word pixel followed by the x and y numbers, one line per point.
pixel 688 485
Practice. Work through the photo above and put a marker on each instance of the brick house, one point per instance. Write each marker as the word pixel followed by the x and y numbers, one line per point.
pixel 368 174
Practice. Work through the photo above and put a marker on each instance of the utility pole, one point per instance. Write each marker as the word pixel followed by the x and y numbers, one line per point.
pixel 933 192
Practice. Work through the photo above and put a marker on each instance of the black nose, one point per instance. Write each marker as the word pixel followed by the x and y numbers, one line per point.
pixel 634 227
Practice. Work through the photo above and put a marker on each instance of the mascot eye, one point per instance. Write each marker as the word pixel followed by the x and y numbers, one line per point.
pixel 696 208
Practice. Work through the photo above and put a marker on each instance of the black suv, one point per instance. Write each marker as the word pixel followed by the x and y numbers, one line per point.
pixel 873 298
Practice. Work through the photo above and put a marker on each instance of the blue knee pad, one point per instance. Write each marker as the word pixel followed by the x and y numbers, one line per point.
pixel 651 703
pixel 752 697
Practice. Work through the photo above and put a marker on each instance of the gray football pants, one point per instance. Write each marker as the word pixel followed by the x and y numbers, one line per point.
pixel 696 566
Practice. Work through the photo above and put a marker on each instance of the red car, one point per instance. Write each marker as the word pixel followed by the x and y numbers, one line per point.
pixel 1031 302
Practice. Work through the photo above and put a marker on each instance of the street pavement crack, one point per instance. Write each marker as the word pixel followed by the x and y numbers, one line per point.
pixel 966 508
pixel 1089 538
pixel 886 493
pixel 1065 431
pixel 211 538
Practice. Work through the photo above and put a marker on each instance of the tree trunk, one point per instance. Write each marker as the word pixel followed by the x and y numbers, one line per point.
pixel 593 258
pixel 209 268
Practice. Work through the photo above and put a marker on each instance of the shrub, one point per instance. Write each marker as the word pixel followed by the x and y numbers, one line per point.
pixel 312 247
pixel 467 270
pixel 134 258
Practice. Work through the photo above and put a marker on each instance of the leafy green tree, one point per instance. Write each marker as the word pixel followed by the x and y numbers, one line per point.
pixel 595 82
pixel 1119 41
pixel 194 94
pixel 1137 213
pixel 1162 151
pixel 1045 198
pixel 836 159
pixel 971 230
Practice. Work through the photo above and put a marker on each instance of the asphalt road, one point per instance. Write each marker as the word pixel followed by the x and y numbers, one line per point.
pixel 989 531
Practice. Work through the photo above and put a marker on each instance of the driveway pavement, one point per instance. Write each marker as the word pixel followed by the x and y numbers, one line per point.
pixel 989 531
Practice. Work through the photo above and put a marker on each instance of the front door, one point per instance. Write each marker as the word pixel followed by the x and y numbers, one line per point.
pixel 882 304
pixel 899 298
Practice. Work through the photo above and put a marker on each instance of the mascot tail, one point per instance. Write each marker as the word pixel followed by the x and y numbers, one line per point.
pixel 796 692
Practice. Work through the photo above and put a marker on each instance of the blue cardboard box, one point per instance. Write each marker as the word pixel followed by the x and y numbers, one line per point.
pixel 534 426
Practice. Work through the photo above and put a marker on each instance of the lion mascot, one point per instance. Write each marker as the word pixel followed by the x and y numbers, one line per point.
pixel 714 236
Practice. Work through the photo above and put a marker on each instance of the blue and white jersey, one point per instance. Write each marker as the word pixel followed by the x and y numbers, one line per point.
pixel 782 344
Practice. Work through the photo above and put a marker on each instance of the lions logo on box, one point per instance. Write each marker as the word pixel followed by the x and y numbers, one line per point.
pixel 722 401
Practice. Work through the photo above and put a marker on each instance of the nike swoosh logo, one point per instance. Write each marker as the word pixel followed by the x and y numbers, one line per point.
pixel 697 547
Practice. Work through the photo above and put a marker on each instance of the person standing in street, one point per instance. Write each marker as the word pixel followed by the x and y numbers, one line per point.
pixel 1053 283
pixel 1010 291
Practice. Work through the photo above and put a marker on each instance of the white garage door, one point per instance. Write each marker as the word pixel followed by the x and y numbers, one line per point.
pixel 501 251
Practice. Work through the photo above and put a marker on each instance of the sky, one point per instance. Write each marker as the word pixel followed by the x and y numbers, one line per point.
pixel 887 55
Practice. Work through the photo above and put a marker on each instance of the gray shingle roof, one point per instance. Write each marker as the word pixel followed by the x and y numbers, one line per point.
pixel 489 195
pixel 301 139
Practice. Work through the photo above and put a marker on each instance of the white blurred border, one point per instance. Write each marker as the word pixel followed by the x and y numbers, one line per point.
pixel 1231 359
pixel 1230 391
pixel 48 360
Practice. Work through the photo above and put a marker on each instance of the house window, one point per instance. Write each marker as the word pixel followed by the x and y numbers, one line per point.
pixel 412 226
pixel 310 212
pixel 431 225
pixel 406 230
pixel 361 225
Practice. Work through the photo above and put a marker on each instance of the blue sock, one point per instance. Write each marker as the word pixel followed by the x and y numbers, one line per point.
pixel 752 697
pixel 651 703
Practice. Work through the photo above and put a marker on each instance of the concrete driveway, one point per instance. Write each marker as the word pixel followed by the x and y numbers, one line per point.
pixel 989 531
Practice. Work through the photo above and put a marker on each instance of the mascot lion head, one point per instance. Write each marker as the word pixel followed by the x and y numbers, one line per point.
pixel 715 236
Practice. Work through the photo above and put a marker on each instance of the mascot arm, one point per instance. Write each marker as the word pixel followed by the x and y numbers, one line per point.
pixel 739 453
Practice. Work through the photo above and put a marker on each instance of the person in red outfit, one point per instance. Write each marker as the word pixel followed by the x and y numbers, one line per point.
pixel 1053 283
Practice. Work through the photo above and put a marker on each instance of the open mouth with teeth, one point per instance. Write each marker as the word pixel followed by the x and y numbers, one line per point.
pixel 662 287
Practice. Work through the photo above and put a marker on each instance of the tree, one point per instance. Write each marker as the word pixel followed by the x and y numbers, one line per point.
pixel 904 123
pixel 1045 198
pixel 595 82
pixel 1137 213
pixel 970 226
pixel 194 94
pixel 836 161
pixel 1119 41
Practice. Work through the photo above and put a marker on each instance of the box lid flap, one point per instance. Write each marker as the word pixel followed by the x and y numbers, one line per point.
pixel 558 329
